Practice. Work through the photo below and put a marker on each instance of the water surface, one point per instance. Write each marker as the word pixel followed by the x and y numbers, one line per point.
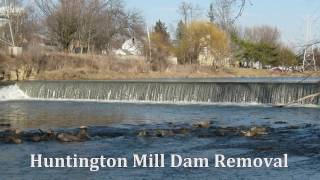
pixel 116 111
pixel 115 126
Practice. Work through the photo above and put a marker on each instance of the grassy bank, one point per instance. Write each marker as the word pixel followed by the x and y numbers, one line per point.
pixel 59 66
pixel 78 74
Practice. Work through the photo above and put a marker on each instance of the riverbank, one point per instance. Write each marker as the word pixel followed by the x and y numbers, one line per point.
pixel 73 74
pixel 61 66
pixel 81 74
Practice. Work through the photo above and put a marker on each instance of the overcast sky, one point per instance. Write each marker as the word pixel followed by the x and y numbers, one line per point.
pixel 287 15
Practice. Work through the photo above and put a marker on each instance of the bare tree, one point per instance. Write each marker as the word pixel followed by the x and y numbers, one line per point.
pixel 115 25
pixel 23 24
pixel 89 14
pixel 189 11
pixel 184 11
pixel 93 24
pixel 262 34
pixel 62 20
pixel 226 12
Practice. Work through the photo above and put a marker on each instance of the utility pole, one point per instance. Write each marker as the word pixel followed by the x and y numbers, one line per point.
pixel 10 27
pixel 149 41
pixel 309 62
pixel 7 18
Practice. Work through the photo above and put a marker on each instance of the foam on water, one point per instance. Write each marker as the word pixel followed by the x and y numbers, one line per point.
pixel 181 103
pixel 12 92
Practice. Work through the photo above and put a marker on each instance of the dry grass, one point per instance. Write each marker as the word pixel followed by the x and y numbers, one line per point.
pixel 61 66
pixel 79 74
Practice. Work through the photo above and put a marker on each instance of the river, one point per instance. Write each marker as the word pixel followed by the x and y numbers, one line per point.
pixel 115 113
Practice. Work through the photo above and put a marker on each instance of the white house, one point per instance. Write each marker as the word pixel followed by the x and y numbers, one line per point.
pixel 130 47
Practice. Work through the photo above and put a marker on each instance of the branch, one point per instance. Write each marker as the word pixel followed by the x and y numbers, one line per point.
pixel 242 6
pixel 300 100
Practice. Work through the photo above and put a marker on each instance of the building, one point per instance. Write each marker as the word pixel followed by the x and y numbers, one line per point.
pixel 207 56
pixel 131 47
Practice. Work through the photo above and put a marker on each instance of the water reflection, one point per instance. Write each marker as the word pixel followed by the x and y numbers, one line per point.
pixel 33 115
pixel 42 114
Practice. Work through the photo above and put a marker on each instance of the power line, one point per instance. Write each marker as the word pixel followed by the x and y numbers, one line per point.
pixel 5 14
pixel 309 62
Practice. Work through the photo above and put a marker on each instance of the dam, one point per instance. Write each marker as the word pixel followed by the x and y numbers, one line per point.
pixel 260 91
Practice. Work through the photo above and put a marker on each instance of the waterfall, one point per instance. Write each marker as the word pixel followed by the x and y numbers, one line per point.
pixel 170 91
pixel 11 92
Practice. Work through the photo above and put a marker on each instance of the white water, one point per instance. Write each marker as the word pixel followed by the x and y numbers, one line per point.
pixel 169 92
pixel 12 92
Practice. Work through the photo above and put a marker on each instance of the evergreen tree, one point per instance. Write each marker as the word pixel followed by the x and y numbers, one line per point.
pixel 161 46
pixel 211 14
pixel 161 29
pixel 179 31
pixel 265 52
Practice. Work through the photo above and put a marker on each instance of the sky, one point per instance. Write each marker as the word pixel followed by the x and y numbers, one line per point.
pixel 289 16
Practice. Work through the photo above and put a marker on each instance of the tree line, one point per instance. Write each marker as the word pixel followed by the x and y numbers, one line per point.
pixel 221 36
pixel 97 25
pixel 94 24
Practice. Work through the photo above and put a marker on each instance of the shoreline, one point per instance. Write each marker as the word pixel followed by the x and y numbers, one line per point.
pixel 248 79
pixel 76 75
